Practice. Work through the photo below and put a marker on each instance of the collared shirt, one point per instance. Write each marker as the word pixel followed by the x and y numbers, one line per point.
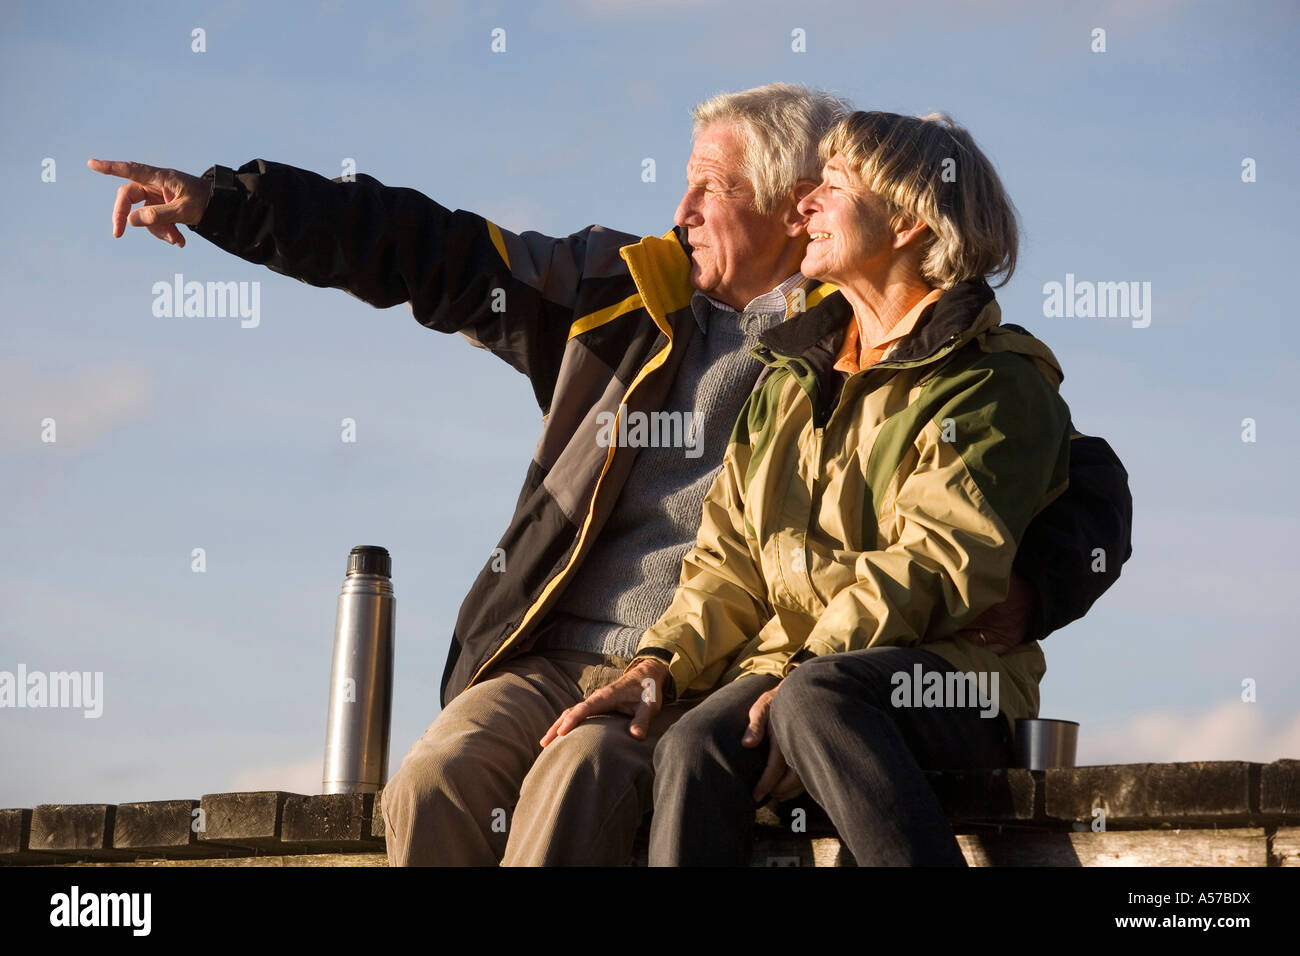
pixel 777 302
pixel 856 355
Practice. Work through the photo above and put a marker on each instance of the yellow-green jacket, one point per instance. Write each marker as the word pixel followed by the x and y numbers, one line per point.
pixel 881 508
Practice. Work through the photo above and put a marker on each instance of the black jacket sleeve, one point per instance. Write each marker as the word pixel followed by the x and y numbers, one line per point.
pixel 515 295
pixel 1073 549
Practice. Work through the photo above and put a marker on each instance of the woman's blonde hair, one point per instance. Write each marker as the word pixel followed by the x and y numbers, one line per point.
pixel 929 168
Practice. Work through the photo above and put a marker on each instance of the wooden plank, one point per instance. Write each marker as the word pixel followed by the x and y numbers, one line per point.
pixel 250 820
pixel 1279 790
pixel 339 821
pixel 1212 793
pixel 1001 795
pixel 162 828
pixel 377 817
pixel 305 859
pixel 1153 811
pixel 775 847
pixel 15 834
pixel 828 851
pixel 1285 847
pixel 81 830
pixel 1245 846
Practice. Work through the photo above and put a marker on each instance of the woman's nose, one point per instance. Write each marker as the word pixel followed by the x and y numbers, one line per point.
pixel 808 204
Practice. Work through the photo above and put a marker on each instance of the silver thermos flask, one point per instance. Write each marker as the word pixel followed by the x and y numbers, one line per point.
pixel 361 678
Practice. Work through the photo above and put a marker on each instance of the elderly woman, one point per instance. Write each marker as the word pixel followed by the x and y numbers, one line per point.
pixel 869 507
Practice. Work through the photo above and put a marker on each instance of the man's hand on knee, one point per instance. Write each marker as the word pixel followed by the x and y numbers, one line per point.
pixel 638 693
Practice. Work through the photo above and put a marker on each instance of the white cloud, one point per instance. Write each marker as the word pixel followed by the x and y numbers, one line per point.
pixel 303 776
pixel 85 406
pixel 1231 731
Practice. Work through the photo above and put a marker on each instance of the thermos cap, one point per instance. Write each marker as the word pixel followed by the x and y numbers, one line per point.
pixel 370 559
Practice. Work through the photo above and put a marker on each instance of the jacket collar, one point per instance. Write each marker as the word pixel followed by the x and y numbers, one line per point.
pixel 661 268
pixel 959 314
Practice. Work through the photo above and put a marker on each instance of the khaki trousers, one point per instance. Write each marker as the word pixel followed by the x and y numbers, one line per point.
pixel 477 788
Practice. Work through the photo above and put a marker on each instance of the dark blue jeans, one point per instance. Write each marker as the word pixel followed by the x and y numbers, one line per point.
pixel 859 756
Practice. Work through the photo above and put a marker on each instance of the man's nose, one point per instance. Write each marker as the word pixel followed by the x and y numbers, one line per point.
pixel 686 214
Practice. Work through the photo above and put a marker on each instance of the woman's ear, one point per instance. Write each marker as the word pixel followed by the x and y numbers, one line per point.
pixel 908 229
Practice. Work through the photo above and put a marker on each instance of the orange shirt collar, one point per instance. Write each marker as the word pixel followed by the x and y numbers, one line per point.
pixel 855 354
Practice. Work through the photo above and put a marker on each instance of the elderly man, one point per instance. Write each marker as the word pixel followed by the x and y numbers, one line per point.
pixel 613 331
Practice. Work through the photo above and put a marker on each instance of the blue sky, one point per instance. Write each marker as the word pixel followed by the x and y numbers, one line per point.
pixel 180 433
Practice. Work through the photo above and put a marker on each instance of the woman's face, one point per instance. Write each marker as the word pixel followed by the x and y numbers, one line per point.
pixel 851 237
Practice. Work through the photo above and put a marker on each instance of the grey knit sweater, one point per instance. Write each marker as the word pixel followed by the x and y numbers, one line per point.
pixel 627 580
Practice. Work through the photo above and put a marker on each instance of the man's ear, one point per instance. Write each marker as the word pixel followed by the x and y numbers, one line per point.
pixel 795 222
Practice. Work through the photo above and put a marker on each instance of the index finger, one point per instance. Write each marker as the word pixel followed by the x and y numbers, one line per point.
pixel 575 715
pixel 139 172
pixel 553 732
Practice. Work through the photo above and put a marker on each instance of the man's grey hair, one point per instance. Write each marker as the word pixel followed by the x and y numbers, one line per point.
pixel 780 125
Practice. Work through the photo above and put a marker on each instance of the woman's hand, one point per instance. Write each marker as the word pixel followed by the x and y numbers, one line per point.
pixel 639 693
pixel 778 778
pixel 1003 626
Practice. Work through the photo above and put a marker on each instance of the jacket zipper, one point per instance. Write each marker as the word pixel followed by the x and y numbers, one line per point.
pixel 819 431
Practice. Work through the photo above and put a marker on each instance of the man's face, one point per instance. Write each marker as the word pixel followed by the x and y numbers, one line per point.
pixel 736 252
pixel 851 238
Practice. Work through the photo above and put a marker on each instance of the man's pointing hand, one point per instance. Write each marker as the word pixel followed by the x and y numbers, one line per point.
pixel 169 196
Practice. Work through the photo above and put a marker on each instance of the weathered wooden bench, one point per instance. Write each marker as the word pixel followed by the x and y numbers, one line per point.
pixel 1228 813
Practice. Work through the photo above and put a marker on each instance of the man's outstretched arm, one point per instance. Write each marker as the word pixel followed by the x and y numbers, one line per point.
pixel 515 295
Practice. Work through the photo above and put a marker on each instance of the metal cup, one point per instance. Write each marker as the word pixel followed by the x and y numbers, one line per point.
pixel 1044 744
